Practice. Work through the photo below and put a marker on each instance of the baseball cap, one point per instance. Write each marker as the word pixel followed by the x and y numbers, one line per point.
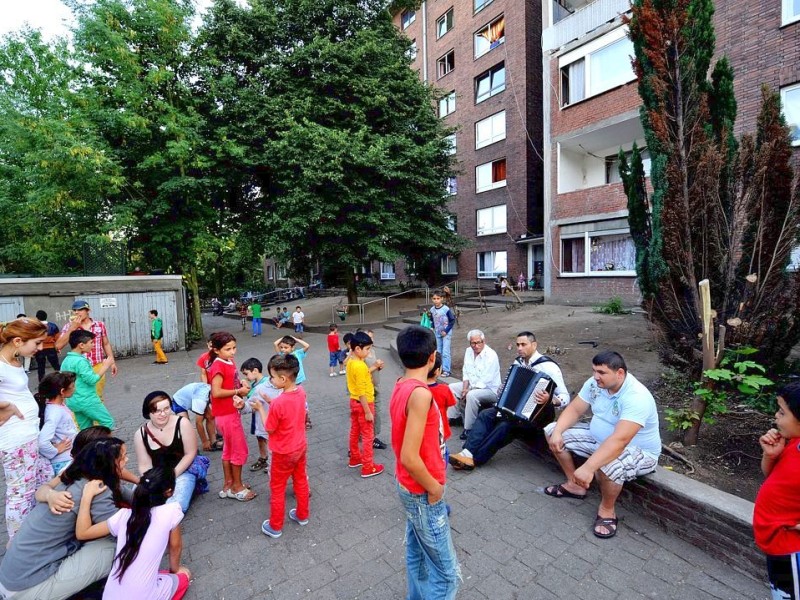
pixel 80 304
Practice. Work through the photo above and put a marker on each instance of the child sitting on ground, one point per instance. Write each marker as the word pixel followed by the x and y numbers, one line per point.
pixel 776 518
pixel 261 391
pixel 284 423
pixel 431 562
pixel 362 400
pixel 143 533
pixel 286 345
pixel 56 421
pixel 85 402
pixel 335 354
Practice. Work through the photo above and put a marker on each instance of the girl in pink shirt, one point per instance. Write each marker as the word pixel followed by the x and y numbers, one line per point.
pixel 143 532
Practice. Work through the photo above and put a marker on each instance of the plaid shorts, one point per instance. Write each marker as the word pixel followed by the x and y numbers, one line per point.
pixel 633 462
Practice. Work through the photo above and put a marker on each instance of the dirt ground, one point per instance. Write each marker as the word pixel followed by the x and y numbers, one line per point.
pixel 727 456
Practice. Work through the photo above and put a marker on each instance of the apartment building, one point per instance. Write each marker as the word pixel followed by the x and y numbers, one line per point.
pixel 591 111
pixel 485 57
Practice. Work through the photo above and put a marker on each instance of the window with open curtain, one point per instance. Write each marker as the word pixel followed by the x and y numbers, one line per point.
pixel 490 37
pixel 499 171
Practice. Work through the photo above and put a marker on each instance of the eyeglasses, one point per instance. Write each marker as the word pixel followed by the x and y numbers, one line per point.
pixel 478 343
pixel 161 411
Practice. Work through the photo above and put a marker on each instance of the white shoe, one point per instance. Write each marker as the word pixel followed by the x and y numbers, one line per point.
pixel 342 372
pixel 331 374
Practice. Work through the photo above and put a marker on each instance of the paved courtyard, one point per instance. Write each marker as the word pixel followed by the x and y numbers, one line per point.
pixel 511 539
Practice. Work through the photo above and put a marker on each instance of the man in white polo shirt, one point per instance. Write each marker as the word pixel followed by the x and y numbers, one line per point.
pixel 480 379
pixel 621 443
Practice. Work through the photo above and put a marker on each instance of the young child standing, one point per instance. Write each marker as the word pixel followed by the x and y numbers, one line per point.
pixel 776 518
pixel 362 400
pixel 443 321
pixel 298 318
pixel 226 392
pixel 285 425
pixel 85 402
pixel 443 397
pixel 262 391
pixel 255 309
pixel 335 354
pixel 57 422
pixel 243 314
pixel 375 365
pixel 143 533
pixel 286 345
pixel 417 438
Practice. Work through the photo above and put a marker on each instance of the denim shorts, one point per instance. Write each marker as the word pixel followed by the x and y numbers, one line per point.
pixel 335 358
pixel 298 328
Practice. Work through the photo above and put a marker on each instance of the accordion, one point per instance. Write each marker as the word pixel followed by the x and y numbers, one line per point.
pixel 516 399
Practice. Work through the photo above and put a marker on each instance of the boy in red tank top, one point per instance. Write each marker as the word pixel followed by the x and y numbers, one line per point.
pixel 418 442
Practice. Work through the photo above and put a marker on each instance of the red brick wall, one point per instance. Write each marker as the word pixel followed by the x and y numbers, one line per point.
pixel 615 101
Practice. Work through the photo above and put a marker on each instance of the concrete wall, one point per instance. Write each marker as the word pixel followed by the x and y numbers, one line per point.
pixel 122 302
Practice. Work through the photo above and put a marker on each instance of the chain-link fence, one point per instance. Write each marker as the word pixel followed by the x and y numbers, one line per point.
pixel 104 257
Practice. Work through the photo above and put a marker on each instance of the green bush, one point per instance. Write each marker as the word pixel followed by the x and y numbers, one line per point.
pixel 612 307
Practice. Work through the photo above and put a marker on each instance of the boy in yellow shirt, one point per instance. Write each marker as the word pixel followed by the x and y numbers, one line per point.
pixel 362 405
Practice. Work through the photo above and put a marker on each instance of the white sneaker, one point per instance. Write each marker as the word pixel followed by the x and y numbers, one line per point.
pixel 331 374
pixel 342 372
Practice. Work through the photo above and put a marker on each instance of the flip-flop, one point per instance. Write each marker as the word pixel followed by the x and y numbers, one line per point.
pixel 607 522
pixel 244 495
pixel 558 491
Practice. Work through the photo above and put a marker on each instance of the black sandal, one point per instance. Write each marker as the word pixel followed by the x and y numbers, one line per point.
pixel 610 523
pixel 217 446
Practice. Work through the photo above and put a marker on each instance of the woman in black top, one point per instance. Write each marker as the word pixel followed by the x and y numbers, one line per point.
pixel 166 440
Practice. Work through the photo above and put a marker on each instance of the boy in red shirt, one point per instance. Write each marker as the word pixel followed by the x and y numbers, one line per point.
pixel 776 517
pixel 443 397
pixel 335 354
pixel 286 427
pixel 418 441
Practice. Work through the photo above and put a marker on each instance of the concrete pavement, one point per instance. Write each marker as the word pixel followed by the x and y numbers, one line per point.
pixel 511 539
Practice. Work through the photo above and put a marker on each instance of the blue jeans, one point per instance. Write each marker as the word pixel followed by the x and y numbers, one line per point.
pixel 257 326
pixel 433 572
pixel 184 490
pixel 443 348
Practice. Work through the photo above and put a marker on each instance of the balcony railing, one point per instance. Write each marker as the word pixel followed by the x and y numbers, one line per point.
pixel 582 21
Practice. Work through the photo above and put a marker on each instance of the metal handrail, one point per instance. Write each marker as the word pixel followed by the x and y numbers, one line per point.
pixel 385 301
pixel 426 289
pixel 336 312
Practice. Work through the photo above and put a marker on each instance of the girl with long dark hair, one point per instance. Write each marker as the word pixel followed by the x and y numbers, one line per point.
pixel 56 421
pixel 143 532
pixel 45 560
pixel 226 400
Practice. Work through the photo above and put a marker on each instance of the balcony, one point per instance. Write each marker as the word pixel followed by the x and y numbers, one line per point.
pixel 584 17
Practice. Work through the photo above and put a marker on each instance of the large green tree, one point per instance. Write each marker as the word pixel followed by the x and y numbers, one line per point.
pixel 137 68
pixel 334 130
pixel 56 172
pixel 718 209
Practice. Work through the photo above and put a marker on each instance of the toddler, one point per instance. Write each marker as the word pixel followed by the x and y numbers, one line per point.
pixel 261 391
pixel 56 421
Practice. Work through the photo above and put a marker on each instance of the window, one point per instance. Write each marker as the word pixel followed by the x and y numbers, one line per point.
pixel 407 17
pixel 492 220
pixel 446 63
pixel 791 11
pixel 597 71
pixel 444 23
pixel 490 176
pixel 387 270
pixel 490 83
pixel 481 4
pixel 449 265
pixel 452 223
pixel 612 165
pixel 447 104
pixel 591 253
pixel 451 141
pixel 490 130
pixel 492 264
pixel 790 99
pixel 411 53
pixel 451 186
pixel 490 37
pixel 281 271
pixel 269 272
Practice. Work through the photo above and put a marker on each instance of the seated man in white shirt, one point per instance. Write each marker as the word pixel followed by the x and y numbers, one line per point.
pixel 493 430
pixel 480 380
pixel 621 443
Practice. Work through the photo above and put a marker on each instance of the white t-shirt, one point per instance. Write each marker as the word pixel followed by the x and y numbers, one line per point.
pixel 632 402
pixel 14 388
pixel 298 316
pixel 142 579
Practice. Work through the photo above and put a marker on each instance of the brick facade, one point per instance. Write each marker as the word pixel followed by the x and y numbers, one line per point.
pixel 522 101
pixel 760 50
